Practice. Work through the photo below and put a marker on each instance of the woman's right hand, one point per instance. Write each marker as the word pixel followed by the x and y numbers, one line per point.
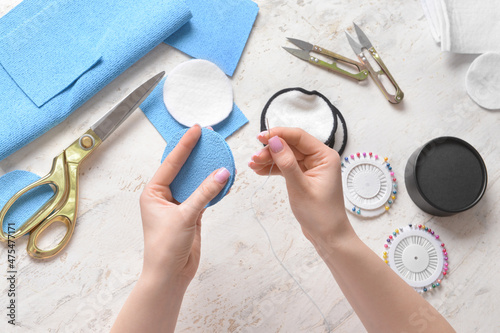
pixel 313 179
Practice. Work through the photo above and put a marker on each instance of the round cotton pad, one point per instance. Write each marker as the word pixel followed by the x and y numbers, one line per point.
pixel 210 153
pixel 198 92
pixel 483 81
pixel 309 110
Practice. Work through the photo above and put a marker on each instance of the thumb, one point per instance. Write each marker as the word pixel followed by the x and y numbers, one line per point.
pixel 285 160
pixel 208 190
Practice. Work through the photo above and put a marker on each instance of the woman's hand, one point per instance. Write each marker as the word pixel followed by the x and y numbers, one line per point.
pixel 172 230
pixel 313 179
pixel 171 244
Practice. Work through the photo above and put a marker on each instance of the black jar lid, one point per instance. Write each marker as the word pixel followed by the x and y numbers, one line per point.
pixel 446 176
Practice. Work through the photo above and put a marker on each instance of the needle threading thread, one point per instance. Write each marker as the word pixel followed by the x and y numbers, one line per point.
pixel 328 329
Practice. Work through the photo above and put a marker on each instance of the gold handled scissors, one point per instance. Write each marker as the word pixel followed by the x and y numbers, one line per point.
pixel 63 177
pixel 363 67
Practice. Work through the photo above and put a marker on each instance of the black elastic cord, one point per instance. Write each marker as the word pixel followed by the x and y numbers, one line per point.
pixel 344 136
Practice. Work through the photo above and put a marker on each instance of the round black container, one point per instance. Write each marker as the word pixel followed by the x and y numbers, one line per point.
pixel 446 176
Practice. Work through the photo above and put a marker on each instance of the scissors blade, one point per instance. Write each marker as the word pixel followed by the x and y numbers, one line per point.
pixel 365 42
pixel 116 116
pixel 301 44
pixel 298 53
pixel 355 46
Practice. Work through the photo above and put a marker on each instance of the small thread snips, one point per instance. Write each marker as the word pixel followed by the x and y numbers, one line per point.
pixel 363 67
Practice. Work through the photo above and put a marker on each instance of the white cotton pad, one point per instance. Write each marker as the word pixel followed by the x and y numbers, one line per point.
pixel 303 109
pixel 198 92
pixel 483 81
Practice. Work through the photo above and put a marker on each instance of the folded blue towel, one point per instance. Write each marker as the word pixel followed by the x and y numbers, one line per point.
pixel 28 204
pixel 55 55
pixel 210 153
pixel 217 32
pixel 154 108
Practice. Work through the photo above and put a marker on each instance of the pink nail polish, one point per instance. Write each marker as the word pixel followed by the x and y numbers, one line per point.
pixel 262 134
pixel 275 144
pixel 222 175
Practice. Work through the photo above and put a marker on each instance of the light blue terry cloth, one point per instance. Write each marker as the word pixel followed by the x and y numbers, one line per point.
pixel 210 153
pixel 28 204
pixel 57 54
pixel 217 32
pixel 154 108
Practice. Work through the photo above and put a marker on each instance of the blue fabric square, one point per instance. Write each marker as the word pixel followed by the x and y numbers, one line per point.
pixel 217 32
pixel 154 108
pixel 210 153
pixel 44 66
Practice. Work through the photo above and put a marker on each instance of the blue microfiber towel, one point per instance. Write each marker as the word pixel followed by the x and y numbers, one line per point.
pixel 154 108
pixel 217 32
pixel 41 74
pixel 28 204
pixel 210 153
pixel 55 55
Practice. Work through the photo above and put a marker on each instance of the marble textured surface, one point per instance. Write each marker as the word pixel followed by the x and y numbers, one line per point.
pixel 239 286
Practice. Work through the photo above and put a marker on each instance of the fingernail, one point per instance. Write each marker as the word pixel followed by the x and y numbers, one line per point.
pixel 222 175
pixel 275 144
pixel 262 134
pixel 257 154
pixel 210 128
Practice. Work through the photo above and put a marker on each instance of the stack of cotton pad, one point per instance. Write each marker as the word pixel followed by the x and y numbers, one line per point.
pixel 309 110
pixel 198 92
pixel 210 153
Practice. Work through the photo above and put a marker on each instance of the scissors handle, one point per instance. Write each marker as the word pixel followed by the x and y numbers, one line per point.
pixel 65 214
pixel 398 96
pixel 58 178
pixel 62 207
pixel 362 72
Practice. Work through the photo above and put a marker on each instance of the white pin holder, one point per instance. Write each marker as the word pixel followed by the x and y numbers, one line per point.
pixel 369 184
pixel 418 256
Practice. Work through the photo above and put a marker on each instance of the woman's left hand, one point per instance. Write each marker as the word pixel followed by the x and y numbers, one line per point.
pixel 172 230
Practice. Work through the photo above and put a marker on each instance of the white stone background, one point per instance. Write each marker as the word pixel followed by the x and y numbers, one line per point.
pixel 240 287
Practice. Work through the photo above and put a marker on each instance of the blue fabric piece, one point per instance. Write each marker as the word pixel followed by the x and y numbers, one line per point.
pixel 154 108
pixel 210 153
pixel 41 74
pixel 28 204
pixel 119 32
pixel 217 32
